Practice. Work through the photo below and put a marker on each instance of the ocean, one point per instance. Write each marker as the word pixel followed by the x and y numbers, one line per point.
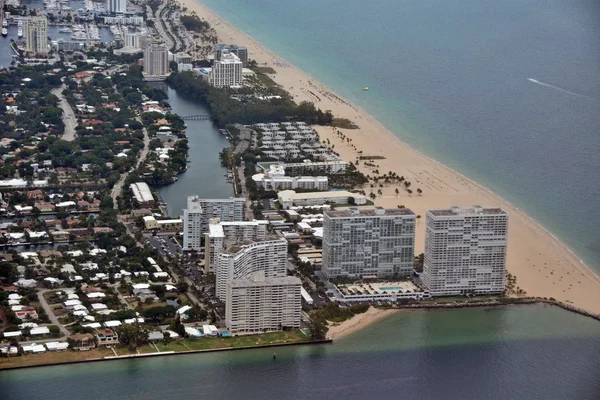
pixel 505 92
pixel 524 352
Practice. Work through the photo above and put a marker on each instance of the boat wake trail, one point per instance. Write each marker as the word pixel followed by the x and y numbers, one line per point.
pixel 562 90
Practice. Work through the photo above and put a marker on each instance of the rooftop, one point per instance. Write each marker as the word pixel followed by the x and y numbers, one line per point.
pixel 142 192
pixel 471 211
pixel 368 212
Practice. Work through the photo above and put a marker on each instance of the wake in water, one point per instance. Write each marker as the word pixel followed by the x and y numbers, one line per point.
pixel 562 90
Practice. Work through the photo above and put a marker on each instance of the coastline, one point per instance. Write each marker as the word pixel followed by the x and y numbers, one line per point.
pixel 358 322
pixel 544 266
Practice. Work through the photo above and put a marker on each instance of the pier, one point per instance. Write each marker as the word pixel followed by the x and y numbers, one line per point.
pixel 196 117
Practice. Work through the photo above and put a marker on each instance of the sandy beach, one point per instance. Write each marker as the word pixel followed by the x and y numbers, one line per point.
pixel 543 266
pixel 359 321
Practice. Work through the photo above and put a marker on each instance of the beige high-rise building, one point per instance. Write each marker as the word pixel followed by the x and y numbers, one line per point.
pixel 35 30
pixel 465 251
pixel 156 60
pixel 257 304
pixel 226 72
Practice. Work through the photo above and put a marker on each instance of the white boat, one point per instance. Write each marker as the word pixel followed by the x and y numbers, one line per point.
pixel 4 23
pixel 4 32
pixel 66 29
pixel 20 32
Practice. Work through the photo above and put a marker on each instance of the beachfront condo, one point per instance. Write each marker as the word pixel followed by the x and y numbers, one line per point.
pixel 259 304
pixel 465 251
pixel 156 60
pixel 36 35
pixel 241 261
pixel 222 235
pixel 368 242
pixel 198 213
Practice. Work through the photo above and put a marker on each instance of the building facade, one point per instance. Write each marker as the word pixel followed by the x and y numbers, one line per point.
pixel 261 304
pixel 281 182
pixel 142 195
pixel 198 213
pixel 465 251
pixel 377 241
pixel 184 61
pixel 221 235
pixel 35 30
pixel 241 261
pixel 240 51
pixel 289 198
pixel 135 40
pixel 116 6
pixel 227 72
pixel 156 60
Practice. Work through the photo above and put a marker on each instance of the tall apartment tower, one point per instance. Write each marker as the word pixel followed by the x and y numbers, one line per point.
pixel 198 213
pixel 377 241
pixel 465 251
pixel 36 34
pixel 257 304
pixel 222 235
pixel 156 60
pixel 240 51
pixel 241 261
pixel 116 6
pixel 226 72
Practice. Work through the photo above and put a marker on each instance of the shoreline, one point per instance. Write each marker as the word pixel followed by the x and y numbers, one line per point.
pixel 167 353
pixel 544 266
pixel 358 322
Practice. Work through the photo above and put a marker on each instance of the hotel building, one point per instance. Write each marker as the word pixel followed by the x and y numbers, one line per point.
pixel 35 30
pixel 465 251
pixel 198 213
pixel 226 72
pixel 116 6
pixel 377 241
pixel 240 51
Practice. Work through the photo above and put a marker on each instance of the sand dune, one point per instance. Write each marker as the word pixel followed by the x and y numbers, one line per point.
pixel 543 266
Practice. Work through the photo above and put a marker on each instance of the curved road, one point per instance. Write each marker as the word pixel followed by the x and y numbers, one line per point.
pixel 68 116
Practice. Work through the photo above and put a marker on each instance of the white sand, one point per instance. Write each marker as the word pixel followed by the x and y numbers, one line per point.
pixel 543 266
pixel 359 321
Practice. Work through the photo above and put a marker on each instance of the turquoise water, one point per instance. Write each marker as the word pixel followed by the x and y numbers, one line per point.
pixel 529 352
pixel 389 289
pixel 450 77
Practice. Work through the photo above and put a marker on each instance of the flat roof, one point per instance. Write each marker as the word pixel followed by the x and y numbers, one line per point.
pixel 368 212
pixel 467 211
pixel 141 191
pixel 291 195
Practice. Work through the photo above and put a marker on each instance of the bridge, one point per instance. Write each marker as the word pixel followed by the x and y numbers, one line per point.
pixel 196 117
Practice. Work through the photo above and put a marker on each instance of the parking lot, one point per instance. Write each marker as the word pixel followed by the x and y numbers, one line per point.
pixel 164 244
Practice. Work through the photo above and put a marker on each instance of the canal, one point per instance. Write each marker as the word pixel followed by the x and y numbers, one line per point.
pixel 205 176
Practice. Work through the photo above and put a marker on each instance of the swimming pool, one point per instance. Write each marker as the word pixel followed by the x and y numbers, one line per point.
pixel 392 289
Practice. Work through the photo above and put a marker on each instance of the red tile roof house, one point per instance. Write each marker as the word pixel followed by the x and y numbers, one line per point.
pixel 27 313
pixel 82 341
pixel 35 194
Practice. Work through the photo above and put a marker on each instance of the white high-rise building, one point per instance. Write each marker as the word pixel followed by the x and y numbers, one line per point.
pixel 36 34
pixel 221 235
pixel 156 60
pixel 465 250
pixel 200 211
pixel 241 261
pixel 377 241
pixel 226 72
pixel 258 303
pixel 116 6
pixel 136 40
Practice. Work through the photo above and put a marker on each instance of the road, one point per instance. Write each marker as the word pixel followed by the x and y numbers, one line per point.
pixel 51 316
pixel 68 115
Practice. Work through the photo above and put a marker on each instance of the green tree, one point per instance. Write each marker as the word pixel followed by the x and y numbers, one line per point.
pixel 132 335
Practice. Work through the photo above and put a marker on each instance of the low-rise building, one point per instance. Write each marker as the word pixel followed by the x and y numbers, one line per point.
pixel 106 337
pixel 169 225
pixel 289 198
pixel 82 341
pixel 142 195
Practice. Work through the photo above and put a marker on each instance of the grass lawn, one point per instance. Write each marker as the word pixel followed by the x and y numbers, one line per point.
pixel 53 357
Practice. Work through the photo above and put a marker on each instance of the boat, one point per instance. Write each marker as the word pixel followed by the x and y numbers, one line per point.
pixel 66 29
pixel 4 32
pixel 365 89
pixel 4 23
pixel 20 32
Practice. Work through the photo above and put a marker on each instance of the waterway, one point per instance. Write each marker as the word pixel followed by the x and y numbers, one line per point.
pixel 451 79
pixel 205 176
pixel 524 352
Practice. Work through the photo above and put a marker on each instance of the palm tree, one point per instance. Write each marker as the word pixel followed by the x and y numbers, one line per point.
pixel 397 192
pixel 379 192
pixel 409 191
pixel 419 191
